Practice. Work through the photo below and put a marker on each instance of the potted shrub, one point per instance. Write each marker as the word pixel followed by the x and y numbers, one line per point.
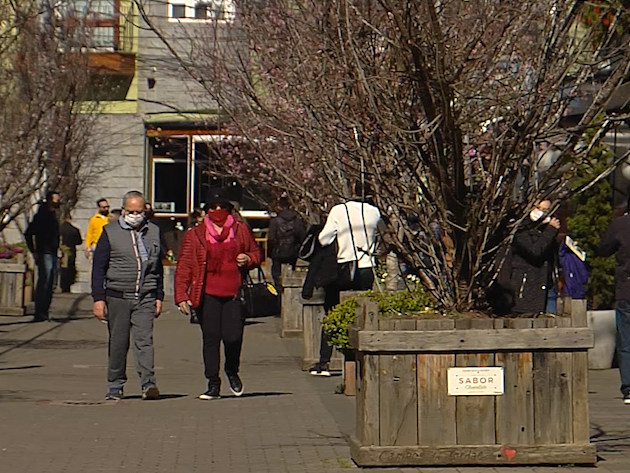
pixel 338 322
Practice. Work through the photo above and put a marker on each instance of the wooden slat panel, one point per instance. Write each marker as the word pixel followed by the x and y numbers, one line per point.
pixel 542 322
pixel 578 313
pixel 581 426
pixel 310 340
pixel 12 311
pixel 385 388
pixel 475 414
pixel 291 312
pixel 472 455
pixel 398 393
pixel 472 340
pixel 10 279
pixel 369 405
pixel 19 290
pixel 367 399
pixel 553 403
pixel 436 409
pixel 3 290
pixel 515 408
pixel 12 268
pixel 519 323
pixel 386 324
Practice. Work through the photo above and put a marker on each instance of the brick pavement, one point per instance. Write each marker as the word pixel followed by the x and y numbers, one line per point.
pixel 53 419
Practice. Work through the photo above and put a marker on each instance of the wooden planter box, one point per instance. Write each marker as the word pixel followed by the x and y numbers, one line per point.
pixel 405 415
pixel 291 325
pixel 12 286
pixel 312 315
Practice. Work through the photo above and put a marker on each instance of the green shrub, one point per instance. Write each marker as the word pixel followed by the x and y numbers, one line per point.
pixel 338 321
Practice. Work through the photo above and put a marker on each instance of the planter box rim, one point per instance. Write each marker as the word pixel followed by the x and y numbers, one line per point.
pixel 471 339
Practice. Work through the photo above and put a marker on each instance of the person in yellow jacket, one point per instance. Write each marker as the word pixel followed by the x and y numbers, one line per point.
pixel 95 227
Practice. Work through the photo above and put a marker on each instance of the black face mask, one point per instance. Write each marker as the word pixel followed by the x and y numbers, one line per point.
pixel 55 205
pixel 103 211
pixel 149 214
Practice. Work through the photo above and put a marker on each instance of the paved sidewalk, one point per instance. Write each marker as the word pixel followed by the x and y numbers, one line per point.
pixel 53 418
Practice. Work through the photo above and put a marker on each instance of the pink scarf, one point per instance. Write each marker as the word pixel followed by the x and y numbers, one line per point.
pixel 227 232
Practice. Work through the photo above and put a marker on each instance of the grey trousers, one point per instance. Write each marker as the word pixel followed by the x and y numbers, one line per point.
pixel 133 317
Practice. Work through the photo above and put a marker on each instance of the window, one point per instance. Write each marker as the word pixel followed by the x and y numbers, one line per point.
pixel 196 10
pixel 178 11
pixel 183 170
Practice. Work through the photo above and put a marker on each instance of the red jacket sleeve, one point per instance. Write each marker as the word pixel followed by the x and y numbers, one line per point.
pixel 184 270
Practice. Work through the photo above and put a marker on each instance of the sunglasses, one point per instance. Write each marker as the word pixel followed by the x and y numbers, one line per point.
pixel 217 206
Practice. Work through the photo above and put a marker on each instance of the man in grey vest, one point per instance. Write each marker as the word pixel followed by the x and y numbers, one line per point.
pixel 128 290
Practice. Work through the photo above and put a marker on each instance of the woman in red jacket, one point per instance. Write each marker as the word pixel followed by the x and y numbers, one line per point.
pixel 209 274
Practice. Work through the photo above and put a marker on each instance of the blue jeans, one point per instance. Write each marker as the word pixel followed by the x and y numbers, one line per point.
pixel 552 297
pixel 46 270
pixel 622 312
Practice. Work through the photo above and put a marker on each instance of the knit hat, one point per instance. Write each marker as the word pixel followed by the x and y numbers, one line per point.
pixel 218 196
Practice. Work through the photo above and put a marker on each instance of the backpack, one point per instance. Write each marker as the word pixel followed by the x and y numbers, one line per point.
pixel 310 244
pixel 286 248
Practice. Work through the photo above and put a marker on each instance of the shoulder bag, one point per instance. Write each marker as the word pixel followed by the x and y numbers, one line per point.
pixel 259 299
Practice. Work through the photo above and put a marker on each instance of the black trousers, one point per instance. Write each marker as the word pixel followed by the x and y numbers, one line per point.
pixel 363 281
pixel 221 320
pixel 68 275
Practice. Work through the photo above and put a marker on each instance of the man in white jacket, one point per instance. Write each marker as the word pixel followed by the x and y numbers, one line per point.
pixel 353 225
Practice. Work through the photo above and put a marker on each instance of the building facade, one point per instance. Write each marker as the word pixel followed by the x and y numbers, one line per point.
pixel 159 123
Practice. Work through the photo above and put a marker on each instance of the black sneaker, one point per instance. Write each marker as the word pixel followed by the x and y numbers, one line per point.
pixel 626 398
pixel 114 394
pixel 320 369
pixel 213 392
pixel 236 385
pixel 150 393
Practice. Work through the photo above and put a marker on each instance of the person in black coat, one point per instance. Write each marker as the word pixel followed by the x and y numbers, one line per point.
pixel 533 251
pixel 42 238
pixel 616 241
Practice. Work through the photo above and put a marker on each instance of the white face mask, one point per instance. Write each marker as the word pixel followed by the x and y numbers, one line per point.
pixel 134 220
pixel 536 214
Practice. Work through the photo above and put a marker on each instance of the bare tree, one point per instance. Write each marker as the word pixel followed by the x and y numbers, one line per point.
pixel 439 105
pixel 46 123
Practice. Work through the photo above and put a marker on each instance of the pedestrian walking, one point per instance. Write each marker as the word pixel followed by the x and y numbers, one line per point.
pixel 42 239
pixel 70 239
pixel 128 290
pixel 353 226
pixel 95 226
pixel 212 262
pixel 533 255
pixel 616 241
pixel 286 233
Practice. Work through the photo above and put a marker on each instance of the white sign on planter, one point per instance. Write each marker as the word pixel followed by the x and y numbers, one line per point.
pixel 480 381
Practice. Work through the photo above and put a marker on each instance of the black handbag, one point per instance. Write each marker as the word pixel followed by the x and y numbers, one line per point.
pixel 346 273
pixel 259 299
